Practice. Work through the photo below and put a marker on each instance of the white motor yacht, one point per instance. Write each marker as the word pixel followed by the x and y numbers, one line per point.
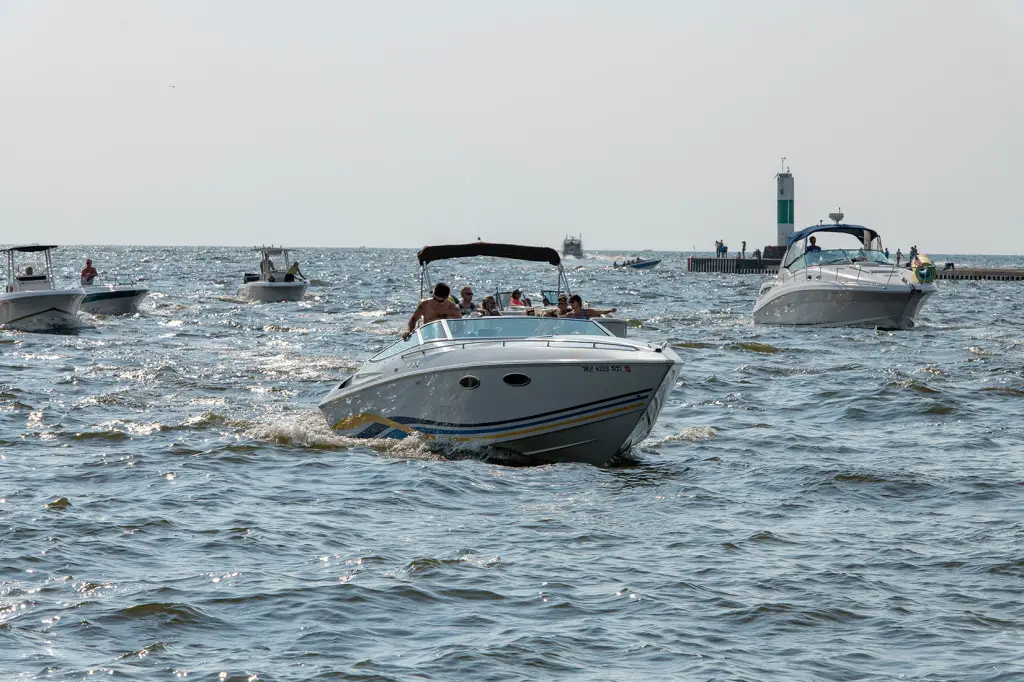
pixel 29 300
pixel 549 389
pixel 852 285
pixel 273 284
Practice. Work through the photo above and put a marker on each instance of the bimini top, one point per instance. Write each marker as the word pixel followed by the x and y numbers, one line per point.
pixel 858 231
pixel 540 254
pixel 31 248
pixel 272 250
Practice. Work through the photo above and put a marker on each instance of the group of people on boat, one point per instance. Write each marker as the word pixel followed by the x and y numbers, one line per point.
pixel 632 261
pixel 442 306
pixel 268 269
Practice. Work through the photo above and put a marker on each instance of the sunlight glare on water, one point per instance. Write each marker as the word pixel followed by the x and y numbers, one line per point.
pixel 814 504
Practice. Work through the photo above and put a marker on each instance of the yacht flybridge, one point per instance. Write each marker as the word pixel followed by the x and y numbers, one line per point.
pixel 848 283
pixel 29 299
pixel 549 389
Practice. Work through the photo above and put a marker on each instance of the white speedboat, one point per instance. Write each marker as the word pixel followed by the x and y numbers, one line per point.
pixel 853 285
pixel 273 284
pixel 113 299
pixel 549 389
pixel 29 300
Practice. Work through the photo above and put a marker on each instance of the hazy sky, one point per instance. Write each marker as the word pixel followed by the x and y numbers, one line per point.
pixel 640 124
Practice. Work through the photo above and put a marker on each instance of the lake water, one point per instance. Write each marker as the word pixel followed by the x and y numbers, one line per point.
pixel 838 504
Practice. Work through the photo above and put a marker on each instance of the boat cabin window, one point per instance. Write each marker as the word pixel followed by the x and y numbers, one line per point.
pixel 31 273
pixel 522 327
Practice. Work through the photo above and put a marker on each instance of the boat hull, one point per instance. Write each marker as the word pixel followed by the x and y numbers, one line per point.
pixel 843 306
pixel 272 292
pixel 575 410
pixel 645 265
pixel 40 309
pixel 113 299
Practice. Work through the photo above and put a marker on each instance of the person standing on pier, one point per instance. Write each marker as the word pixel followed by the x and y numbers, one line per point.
pixel 899 256
pixel 743 250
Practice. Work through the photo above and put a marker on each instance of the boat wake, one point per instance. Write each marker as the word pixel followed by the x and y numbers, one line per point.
pixel 308 429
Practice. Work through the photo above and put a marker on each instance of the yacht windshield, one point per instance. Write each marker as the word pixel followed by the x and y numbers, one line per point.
pixel 521 327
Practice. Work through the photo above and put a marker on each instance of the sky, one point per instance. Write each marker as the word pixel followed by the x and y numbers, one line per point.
pixel 652 124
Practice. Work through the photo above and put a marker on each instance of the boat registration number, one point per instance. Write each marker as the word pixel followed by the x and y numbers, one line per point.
pixel 603 368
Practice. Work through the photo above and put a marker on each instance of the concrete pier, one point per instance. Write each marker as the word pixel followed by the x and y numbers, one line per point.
pixel 996 274
pixel 753 266
pixel 733 266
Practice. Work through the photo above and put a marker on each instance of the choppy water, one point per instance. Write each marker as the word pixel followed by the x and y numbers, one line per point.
pixel 813 505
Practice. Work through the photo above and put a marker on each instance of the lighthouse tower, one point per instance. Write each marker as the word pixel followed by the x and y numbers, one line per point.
pixel 785 199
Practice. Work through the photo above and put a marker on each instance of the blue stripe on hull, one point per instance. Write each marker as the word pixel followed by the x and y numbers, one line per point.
pixel 382 430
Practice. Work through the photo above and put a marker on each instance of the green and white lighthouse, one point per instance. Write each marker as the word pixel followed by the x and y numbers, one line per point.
pixel 785 205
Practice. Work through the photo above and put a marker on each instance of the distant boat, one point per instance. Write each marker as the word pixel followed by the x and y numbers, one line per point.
pixel 638 263
pixel 273 283
pixel 572 246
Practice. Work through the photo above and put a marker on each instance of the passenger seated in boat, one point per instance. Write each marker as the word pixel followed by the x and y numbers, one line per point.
pixel 517 298
pixel 580 313
pixel 563 308
pixel 488 307
pixel 466 305
pixel 88 273
pixel 438 307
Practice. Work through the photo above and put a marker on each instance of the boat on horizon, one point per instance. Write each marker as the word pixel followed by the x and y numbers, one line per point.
pixel 853 285
pixel 572 246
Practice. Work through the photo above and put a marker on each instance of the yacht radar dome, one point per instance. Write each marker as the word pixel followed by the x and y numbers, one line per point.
pixel 836 217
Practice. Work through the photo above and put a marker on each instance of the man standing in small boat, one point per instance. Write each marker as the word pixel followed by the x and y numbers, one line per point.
pixel 88 273
pixel 439 307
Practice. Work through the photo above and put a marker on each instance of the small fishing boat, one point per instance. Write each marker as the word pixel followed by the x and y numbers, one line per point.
pixel 30 300
pixel 114 298
pixel 272 284
pixel 638 263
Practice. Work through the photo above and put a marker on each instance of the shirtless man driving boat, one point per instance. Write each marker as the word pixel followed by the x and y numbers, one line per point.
pixel 438 307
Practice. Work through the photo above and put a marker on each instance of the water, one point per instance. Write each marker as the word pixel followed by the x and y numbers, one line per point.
pixel 813 504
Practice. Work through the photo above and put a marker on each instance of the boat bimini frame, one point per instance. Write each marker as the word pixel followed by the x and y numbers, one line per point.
pixel 538 254
pixel 29 248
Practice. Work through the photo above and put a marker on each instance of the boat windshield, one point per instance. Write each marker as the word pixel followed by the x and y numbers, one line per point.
pixel 522 327
pixel 837 257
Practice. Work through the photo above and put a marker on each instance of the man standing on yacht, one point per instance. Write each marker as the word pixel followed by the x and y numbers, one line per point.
pixel 438 307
